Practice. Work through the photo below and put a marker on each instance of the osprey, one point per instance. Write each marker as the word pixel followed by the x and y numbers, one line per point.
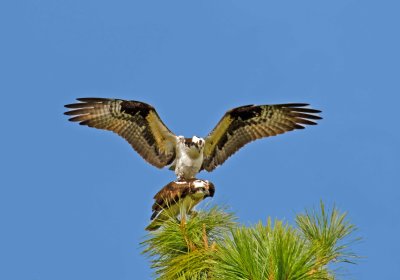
pixel 178 197
pixel 141 126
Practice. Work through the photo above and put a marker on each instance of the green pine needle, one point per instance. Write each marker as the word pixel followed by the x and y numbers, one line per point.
pixel 328 234
pixel 184 249
pixel 210 245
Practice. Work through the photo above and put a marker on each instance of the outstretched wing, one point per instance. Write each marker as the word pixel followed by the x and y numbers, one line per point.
pixel 242 125
pixel 135 121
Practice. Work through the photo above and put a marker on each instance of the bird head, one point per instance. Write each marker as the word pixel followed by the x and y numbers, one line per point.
pixel 198 142
pixel 203 187
pixel 194 146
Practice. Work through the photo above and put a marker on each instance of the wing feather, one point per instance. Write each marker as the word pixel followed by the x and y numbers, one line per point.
pixel 135 121
pixel 169 195
pixel 245 124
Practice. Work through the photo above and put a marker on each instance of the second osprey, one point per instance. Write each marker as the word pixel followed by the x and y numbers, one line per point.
pixel 141 126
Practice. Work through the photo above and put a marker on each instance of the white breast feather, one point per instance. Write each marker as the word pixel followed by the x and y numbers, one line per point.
pixel 188 160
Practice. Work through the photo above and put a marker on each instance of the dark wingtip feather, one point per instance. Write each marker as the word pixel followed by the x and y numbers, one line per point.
pixel 75 119
pixel 71 113
pixel 92 99
pixel 85 122
pixel 291 105
pixel 305 121
pixel 305 110
pixel 305 116
pixel 71 105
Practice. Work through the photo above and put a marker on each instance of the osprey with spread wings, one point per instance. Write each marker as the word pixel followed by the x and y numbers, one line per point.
pixel 141 126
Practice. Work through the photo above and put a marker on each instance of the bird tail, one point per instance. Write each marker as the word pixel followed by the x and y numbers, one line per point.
pixel 154 225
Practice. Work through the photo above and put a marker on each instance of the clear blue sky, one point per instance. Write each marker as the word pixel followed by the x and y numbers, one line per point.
pixel 74 201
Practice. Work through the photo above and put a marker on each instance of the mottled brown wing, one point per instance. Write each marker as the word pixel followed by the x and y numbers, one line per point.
pixel 135 121
pixel 169 195
pixel 242 125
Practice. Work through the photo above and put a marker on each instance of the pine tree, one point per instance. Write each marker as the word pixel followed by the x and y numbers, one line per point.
pixel 212 245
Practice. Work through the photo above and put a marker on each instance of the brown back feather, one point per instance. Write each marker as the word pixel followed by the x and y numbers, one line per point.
pixel 170 195
pixel 174 192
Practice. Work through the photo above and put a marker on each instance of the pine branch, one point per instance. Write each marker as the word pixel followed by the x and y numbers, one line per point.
pixel 328 233
pixel 210 245
pixel 185 249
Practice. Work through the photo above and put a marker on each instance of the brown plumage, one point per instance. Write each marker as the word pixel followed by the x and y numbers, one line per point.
pixel 141 126
pixel 178 196
pixel 245 124
pixel 135 121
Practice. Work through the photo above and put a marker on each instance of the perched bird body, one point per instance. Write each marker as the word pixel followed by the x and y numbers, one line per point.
pixel 141 126
pixel 179 198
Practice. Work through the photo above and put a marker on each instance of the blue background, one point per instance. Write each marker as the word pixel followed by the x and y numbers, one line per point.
pixel 74 201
